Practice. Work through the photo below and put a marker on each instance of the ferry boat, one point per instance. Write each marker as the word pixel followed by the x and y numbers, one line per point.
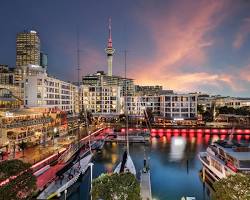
pixel 224 158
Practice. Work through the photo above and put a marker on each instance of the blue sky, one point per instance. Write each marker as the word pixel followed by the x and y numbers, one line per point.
pixel 185 45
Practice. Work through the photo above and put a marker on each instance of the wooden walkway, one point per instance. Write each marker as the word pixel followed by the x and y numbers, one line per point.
pixel 146 186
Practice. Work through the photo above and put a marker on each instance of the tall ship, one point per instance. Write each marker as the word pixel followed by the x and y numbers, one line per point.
pixel 224 158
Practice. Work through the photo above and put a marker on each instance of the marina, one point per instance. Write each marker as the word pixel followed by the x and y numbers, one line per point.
pixel 172 177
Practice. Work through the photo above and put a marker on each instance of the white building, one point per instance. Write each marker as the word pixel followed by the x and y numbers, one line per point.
pixel 178 106
pixel 41 90
pixel 136 105
pixel 232 102
pixel 101 100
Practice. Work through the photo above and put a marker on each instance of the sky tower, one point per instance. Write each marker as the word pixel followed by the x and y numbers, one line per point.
pixel 110 51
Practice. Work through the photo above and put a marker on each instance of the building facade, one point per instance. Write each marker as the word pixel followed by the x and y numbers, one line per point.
pixel 137 105
pixel 41 90
pixel 178 106
pixel 27 48
pixel 101 100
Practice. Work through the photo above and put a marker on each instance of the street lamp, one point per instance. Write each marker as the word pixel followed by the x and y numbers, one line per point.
pixel 53 135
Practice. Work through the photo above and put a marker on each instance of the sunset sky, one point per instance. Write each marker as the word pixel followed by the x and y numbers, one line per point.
pixel 183 45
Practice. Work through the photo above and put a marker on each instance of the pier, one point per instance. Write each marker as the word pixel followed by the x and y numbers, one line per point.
pixel 145 185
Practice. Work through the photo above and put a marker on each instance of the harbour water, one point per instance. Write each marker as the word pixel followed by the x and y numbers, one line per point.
pixel 173 161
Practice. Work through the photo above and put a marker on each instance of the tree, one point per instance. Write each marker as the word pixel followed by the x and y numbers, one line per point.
pixel 22 182
pixel 123 186
pixel 233 187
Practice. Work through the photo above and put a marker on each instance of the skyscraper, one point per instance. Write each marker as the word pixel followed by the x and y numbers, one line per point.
pixel 110 51
pixel 27 48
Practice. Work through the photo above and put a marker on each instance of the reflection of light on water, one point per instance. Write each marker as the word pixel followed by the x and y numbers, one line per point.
pixel 164 140
pixel 215 138
pixel 114 144
pixel 154 142
pixel 114 158
pixel 178 145
pixel 109 167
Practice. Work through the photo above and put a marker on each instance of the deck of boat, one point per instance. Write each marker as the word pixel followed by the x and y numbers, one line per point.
pixel 59 185
pixel 145 186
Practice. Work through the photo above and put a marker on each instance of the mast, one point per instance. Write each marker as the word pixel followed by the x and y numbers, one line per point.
pixel 126 90
pixel 78 82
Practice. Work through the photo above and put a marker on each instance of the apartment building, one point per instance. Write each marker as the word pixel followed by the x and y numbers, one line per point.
pixel 41 90
pixel 101 100
pixel 178 106
pixel 136 105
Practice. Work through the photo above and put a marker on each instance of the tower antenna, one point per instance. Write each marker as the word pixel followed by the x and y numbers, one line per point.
pixel 110 51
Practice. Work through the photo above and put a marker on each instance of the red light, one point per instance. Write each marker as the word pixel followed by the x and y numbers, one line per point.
pixel 239 137
pixel 191 130
pixel 199 130
pixel 247 131
pixel 184 130
pixel 184 135
pixel 207 130
pixel 153 134
pixel 223 131
pixel 247 137
pixel 207 138
pixel 214 130
pixel 168 136
pixel 239 131
pixel 160 134
pixel 223 137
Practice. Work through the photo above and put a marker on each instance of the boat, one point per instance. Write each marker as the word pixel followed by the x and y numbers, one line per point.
pixel 127 164
pixel 66 177
pixel 98 145
pixel 224 158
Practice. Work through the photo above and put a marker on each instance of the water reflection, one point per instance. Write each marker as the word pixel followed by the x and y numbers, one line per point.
pixel 178 145
pixel 173 161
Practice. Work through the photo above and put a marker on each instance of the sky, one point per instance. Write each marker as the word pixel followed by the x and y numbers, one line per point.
pixel 184 45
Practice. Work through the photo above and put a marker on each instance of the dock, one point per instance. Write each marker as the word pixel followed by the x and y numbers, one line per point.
pixel 145 184
pixel 132 139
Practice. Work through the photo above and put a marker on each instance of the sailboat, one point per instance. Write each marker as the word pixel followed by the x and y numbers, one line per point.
pixel 126 164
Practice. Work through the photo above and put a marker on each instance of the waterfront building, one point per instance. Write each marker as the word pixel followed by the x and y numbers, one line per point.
pixel 110 51
pixel 178 106
pixel 41 90
pixel 30 125
pixel 235 102
pixel 206 101
pixel 137 105
pixel 27 48
pixel 148 90
pixel 101 79
pixel 10 95
pixel 101 100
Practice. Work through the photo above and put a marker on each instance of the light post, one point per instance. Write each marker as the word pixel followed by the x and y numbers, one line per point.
pixel 91 178
pixel 65 194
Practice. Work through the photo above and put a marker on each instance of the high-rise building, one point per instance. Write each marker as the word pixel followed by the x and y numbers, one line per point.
pixel 27 48
pixel 110 51
pixel 43 60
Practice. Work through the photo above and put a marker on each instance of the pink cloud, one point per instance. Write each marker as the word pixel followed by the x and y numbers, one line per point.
pixel 242 34
pixel 182 37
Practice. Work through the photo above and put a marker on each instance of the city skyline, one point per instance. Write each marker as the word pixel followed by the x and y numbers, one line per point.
pixel 206 50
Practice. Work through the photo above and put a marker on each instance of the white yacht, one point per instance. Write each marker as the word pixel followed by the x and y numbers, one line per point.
pixel 126 165
pixel 224 158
